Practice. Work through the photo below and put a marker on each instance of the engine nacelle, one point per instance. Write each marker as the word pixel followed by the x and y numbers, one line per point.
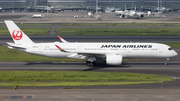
pixel 122 16
pixel 113 59
pixel 141 16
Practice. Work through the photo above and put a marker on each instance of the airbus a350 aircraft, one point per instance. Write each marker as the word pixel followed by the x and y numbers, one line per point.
pixel 112 53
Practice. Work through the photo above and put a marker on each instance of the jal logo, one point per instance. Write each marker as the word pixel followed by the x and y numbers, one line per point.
pixel 17 34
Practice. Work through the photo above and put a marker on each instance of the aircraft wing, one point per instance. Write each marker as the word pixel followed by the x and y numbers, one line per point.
pixel 140 13
pixel 82 53
pixel 91 54
pixel 119 12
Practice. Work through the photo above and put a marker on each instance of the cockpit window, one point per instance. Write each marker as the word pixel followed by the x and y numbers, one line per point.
pixel 170 49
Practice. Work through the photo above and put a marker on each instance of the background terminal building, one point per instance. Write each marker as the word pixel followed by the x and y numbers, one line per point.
pixel 30 5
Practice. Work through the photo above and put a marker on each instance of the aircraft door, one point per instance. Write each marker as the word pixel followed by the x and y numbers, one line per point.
pixel 40 49
pixel 160 49
pixel 79 48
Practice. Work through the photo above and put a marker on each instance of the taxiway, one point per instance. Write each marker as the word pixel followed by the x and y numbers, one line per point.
pixel 90 95
pixel 68 17
pixel 4 39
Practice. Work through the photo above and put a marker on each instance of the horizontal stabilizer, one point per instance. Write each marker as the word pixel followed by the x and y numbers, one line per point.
pixel 16 46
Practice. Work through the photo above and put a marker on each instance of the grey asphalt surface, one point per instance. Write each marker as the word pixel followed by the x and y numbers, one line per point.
pixel 4 39
pixel 90 95
pixel 147 67
pixel 155 66
pixel 56 25
pixel 68 17
pixel 167 91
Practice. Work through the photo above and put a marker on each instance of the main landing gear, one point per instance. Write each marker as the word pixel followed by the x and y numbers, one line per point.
pixel 166 61
pixel 91 62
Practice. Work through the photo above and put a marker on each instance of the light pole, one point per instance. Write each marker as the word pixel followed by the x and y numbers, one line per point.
pixel 158 6
pixel 132 4
pixel 97 8
pixel 47 8
pixel 82 4
pixel 161 5
pixel 12 6
pixel 35 5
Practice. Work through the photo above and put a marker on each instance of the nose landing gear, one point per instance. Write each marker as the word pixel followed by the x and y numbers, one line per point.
pixel 166 61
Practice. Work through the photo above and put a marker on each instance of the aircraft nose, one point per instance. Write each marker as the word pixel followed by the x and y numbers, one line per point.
pixel 175 53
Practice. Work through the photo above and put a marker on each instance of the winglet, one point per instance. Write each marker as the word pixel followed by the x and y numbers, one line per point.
pixel 64 41
pixel 62 50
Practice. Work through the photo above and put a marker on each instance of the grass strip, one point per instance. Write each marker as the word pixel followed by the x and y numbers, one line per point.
pixel 119 24
pixel 75 78
pixel 27 30
pixel 37 24
pixel 72 83
pixel 173 44
pixel 153 31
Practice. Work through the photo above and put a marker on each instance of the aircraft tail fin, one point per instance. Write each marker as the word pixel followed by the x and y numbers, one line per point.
pixel 18 36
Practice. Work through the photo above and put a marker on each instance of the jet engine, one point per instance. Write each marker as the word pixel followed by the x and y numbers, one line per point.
pixel 113 59
pixel 141 16
pixel 122 16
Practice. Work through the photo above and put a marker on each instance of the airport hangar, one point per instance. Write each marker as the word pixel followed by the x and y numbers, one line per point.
pixel 31 5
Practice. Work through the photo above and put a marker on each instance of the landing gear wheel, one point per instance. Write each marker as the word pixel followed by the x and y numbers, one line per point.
pixel 94 64
pixel 88 63
pixel 91 64
pixel 166 61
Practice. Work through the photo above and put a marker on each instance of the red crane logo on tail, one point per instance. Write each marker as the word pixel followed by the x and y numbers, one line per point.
pixel 17 34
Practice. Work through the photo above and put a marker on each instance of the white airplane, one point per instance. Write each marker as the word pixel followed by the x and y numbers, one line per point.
pixel 112 53
pixel 121 13
pixel 130 13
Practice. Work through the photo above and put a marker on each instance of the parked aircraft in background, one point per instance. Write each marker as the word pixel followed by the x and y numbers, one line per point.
pixel 130 13
pixel 110 9
pixel 37 16
pixel 120 12
pixel 112 53
pixel 161 9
